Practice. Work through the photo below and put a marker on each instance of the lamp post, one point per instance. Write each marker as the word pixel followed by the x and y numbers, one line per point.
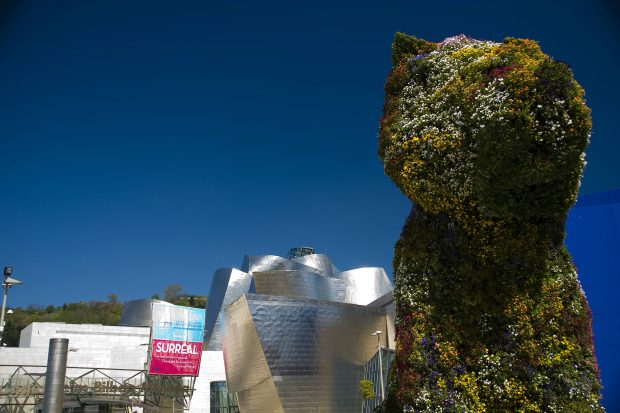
pixel 6 284
pixel 378 334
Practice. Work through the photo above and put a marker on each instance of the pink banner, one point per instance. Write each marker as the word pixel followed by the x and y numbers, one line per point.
pixel 179 358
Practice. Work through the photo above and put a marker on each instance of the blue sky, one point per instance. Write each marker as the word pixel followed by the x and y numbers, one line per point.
pixel 147 143
pixel 150 143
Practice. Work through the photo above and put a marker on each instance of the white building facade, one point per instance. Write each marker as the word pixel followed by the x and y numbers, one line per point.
pixel 105 355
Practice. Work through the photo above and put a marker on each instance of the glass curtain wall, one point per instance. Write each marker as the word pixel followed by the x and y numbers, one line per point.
pixel 371 372
pixel 221 400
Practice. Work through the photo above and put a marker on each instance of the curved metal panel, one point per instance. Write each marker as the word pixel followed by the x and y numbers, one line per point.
pixel 247 372
pixel 301 347
pixel 315 351
pixel 293 265
pixel 138 313
pixel 365 285
pixel 293 283
pixel 217 292
pixel 319 261
pixel 227 285
pixel 238 284
pixel 260 263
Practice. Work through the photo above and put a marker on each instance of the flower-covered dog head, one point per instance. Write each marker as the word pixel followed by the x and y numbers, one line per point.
pixel 495 128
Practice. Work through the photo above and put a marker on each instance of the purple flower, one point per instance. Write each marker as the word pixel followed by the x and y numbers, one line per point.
pixel 459 369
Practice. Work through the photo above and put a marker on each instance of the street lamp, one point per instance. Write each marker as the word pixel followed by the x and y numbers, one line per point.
pixel 378 334
pixel 8 283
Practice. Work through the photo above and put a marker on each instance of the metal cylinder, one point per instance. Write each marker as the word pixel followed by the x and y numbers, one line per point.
pixel 55 376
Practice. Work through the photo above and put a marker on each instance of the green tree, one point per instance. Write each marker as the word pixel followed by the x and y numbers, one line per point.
pixel 93 312
pixel 85 312
pixel 172 293
pixel 367 389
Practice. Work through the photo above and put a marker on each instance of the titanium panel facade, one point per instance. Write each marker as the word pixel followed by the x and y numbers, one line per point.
pixel 261 263
pixel 387 303
pixel 310 276
pixel 319 261
pixel 365 285
pixel 296 332
pixel 293 283
pixel 313 352
pixel 246 365
pixel 227 285
pixel 313 262
pixel 138 313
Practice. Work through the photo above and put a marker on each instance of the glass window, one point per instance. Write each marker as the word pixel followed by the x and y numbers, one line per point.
pixel 221 400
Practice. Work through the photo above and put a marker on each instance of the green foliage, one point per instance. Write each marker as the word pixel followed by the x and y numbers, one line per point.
pixel 487 140
pixel 174 295
pixel 391 404
pixel 367 389
pixel 196 301
pixel 171 292
pixel 405 47
pixel 93 312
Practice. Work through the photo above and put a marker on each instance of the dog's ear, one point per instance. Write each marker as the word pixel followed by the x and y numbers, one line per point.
pixel 404 47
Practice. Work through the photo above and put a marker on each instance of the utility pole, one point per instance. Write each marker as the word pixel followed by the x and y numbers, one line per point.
pixel 6 284
pixel 379 352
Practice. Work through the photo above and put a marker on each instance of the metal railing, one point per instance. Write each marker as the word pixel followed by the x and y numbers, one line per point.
pixel 25 386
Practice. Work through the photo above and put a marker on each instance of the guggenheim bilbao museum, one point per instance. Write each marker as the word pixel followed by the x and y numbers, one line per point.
pixel 282 334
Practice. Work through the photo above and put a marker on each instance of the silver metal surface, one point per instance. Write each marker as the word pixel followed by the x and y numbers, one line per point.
pixel 55 375
pixel 312 262
pixel 293 265
pixel 137 313
pixel 387 303
pixel 298 277
pixel 294 283
pixel 227 285
pixel 298 355
pixel 365 285
pixel 260 263
pixel 319 261
pixel 295 331
pixel 246 365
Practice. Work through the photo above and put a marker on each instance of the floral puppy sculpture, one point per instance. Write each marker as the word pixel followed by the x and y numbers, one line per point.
pixel 487 139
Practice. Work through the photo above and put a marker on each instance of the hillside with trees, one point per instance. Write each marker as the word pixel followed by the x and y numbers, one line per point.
pixel 86 312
